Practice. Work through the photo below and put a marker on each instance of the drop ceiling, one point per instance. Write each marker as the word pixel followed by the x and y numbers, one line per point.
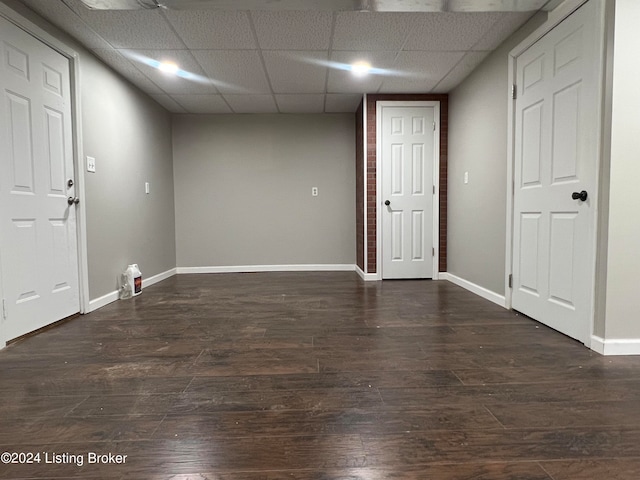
pixel 283 61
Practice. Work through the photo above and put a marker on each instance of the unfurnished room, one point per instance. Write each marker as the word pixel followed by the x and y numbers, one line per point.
pixel 319 239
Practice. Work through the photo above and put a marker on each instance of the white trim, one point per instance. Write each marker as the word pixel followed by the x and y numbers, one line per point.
pixel 104 300
pixel 147 282
pixel 365 123
pixel 615 346
pixel 74 74
pixel 474 288
pixel 100 302
pixel 268 268
pixel 436 180
pixel 367 277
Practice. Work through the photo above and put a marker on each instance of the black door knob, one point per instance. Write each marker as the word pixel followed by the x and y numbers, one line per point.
pixel 387 203
pixel 582 196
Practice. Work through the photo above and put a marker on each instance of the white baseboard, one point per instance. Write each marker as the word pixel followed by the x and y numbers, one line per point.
pixel 268 268
pixel 104 300
pixel 615 346
pixel 367 277
pixel 477 289
pixel 147 282
pixel 100 302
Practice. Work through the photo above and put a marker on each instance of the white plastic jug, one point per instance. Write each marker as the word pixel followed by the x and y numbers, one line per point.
pixel 134 279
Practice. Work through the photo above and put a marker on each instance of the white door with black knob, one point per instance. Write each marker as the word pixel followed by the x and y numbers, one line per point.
pixel 555 173
pixel 408 149
pixel 38 236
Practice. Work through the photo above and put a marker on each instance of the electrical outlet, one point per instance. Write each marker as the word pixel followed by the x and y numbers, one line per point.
pixel 91 164
pixel 314 191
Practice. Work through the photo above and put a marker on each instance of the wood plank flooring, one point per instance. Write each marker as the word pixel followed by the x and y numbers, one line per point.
pixel 316 376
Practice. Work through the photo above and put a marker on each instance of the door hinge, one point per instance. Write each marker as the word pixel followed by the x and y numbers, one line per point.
pixel 434 126
pixel 434 189
pixel 514 91
pixel 510 280
pixel 433 251
pixel 4 309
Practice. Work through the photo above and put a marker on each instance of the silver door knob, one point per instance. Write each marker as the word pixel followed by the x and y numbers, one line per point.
pixel 73 200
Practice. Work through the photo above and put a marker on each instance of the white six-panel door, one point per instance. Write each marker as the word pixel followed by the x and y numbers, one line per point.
pixel 556 153
pixel 408 156
pixel 38 243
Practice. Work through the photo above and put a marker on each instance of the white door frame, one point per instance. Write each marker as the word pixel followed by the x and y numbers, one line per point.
pixel 436 180
pixel 555 18
pixel 81 218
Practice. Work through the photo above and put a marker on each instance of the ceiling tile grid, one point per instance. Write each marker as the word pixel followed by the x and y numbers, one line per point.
pixel 132 28
pixel 121 64
pixel 341 80
pixel 296 72
pixel 300 103
pixel 252 103
pixel 234 71
pixel 202 103
pixel 420 71
pixel 293 30
pixel 212 29
pixel 200 84
pixel 450 31
pixel 286 61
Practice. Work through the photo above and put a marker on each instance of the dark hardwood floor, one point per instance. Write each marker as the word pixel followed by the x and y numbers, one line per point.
pixel 316 376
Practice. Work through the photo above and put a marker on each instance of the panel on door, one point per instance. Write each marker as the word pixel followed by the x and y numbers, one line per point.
pixel 38 232
pixel 556 131
pixel 408 158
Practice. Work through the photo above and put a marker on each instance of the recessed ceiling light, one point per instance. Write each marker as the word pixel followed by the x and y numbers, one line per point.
pixel 168 67
pixel 360 69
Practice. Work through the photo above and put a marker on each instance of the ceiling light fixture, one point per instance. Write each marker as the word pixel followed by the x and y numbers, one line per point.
pixel 169 67
pixel 361 69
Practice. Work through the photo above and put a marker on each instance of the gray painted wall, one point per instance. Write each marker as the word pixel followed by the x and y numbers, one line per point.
pixel 623 258
pixel 243 189
pixel 130 137
pixel 478 144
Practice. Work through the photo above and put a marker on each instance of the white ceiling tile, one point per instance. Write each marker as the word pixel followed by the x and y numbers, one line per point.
pixel 340 103
pixel 503 29
pixel 202 103
pixel 65 18
pixel 450 31
pixel 234 71
pixel 169 103
pixel 199 84
pixel 413 52
pixel 296 72
pixel 300 103
pixel 372 31
pixel 343 81
pixel 468 63
pixel 213 29
pixel 419 72
pixel 293 30
pixel 252 103
pixel 123 66
pixel 133 28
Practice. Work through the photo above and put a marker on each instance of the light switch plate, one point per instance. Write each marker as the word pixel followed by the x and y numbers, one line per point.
pixel 91 164
pixel 146 187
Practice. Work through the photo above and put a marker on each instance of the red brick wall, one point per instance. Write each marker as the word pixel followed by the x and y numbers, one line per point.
pixel 371 172
pixel 360 188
